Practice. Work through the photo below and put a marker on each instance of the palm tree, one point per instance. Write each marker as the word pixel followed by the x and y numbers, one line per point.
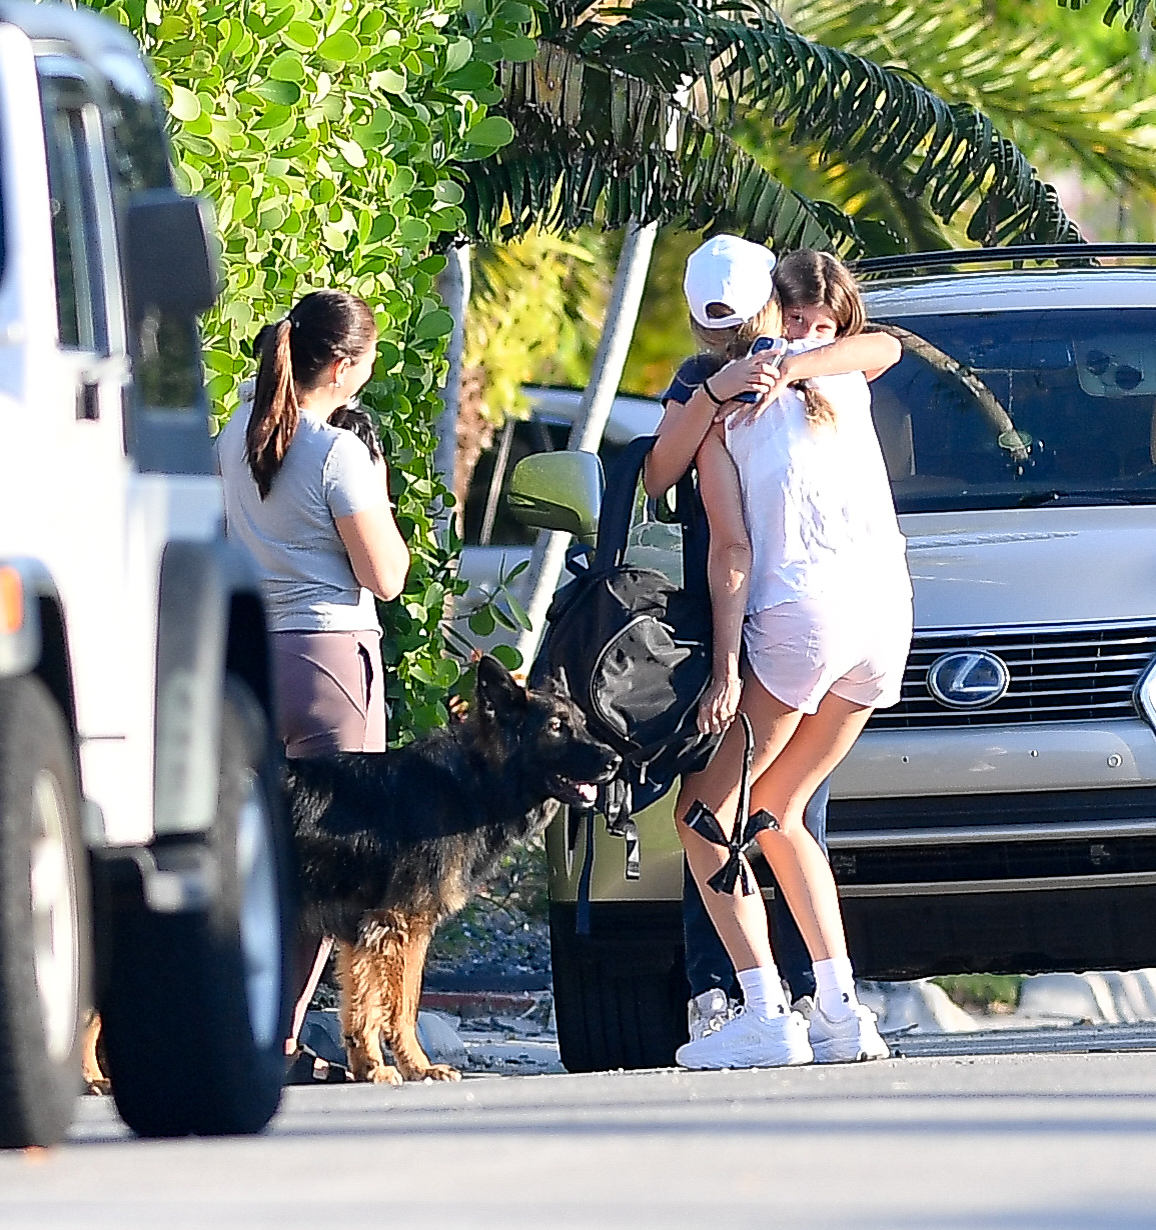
pixel 602 135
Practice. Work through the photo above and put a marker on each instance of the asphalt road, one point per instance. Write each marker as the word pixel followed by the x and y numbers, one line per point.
pixel 1055 1141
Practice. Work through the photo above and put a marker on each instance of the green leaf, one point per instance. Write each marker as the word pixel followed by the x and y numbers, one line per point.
pixel 340 47
pixel 283 93
pixel 482 621
pixel 458 54
pixel 434 324
pixel 518 48
pixel 493 131
pixel 390 81
pixel 287 67
pixel 509 657
pixel 186 105
pixel 518 612
pixel 301 34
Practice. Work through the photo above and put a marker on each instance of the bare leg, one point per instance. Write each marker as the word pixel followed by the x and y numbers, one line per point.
pixel 802 872
pixel 740 921
pixel 94 1078
pixel 309 971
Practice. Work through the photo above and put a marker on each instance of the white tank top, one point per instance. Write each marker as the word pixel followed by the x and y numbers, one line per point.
pixel 817 502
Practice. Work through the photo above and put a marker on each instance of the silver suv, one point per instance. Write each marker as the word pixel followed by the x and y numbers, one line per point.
pixel 1002 817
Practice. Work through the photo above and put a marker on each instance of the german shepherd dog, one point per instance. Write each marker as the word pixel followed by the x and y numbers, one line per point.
pixel 391 844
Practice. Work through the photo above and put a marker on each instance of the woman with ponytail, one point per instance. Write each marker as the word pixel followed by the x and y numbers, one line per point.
pixel 310 501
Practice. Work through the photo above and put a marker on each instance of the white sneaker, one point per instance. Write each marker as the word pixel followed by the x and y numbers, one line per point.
pixel 749 1041
pixel 707 1012
pixel 851 1040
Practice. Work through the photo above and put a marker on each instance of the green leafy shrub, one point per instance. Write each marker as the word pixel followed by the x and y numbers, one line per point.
pixel 324 133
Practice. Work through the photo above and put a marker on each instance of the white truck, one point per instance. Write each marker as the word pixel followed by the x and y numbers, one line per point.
pixel 145 869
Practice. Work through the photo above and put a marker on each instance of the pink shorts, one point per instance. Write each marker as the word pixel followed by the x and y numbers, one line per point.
pixel 800 651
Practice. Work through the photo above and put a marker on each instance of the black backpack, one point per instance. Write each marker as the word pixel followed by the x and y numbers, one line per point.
pixel 635 650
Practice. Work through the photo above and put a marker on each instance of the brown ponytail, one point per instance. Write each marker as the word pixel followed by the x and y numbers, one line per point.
pixel 324 327
pixel 806 278
pixel 273 420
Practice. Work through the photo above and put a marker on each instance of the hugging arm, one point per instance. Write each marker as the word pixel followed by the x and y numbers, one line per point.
pixel 684 425
pixel 869 353
pixel 728 573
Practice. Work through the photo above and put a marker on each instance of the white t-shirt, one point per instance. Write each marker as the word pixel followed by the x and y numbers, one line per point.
pixel 305 572
pixel 817 501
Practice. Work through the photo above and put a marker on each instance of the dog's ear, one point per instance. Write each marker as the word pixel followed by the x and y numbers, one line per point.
pixel 558 683
pixel 497 691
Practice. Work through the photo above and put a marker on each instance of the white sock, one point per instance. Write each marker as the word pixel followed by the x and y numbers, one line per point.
pixel 763 992
pixel 835 988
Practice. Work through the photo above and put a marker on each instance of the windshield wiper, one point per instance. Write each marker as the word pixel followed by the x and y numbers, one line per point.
pixel 1037 499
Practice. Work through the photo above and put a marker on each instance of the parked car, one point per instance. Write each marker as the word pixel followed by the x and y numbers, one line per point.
pixel 495 541
pixel 1002 817
pixel 144 864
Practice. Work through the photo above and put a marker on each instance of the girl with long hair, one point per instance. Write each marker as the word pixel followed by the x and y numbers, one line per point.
pixel 812 622
pixel 310 501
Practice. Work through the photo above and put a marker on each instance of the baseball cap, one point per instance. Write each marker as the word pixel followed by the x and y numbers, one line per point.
pixel 730 270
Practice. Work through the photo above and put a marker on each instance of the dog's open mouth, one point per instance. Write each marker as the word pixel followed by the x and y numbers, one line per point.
pixel 574 793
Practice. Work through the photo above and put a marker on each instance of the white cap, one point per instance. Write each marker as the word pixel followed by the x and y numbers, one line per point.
pixel 730 270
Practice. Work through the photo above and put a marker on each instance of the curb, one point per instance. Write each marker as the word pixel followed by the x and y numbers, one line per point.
pixel 469 1004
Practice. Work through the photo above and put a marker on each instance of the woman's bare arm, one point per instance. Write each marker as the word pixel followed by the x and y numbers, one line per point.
pixel 377 552
pixel 684 425
pixel 869 353
pixel 728 574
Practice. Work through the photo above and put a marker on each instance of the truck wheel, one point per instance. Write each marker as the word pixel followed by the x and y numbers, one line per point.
pixel 617 1005
pixel 197 1006
pixel 45 956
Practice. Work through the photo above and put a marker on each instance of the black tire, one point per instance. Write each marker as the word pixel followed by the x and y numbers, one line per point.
pixel 45 950
pixel 197 1003
pixel 620 1001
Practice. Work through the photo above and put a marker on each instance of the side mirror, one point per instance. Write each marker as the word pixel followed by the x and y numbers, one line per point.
pixel 171 266
pixel 558 491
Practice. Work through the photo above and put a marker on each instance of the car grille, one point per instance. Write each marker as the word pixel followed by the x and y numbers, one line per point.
pixel 1057 675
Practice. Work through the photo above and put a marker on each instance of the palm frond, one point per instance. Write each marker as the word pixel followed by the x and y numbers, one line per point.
pixel 851 107
pixel 1133 11
pixel 1036 89
pixel 597 144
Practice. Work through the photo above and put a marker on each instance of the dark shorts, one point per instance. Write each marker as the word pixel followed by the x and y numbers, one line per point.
pixel 330 692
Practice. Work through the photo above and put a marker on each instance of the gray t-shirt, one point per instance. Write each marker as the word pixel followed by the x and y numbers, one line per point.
pixel 305 572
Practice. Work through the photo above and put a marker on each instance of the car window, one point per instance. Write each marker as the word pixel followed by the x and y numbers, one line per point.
pixel 488 520
pixel 1020 409
pixel 81 306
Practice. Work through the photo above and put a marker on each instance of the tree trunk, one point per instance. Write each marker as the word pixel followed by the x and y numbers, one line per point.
pixel 454 288
pixel 549 555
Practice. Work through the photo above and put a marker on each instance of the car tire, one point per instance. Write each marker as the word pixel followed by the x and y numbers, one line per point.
pixel 45 950
pixel 617 1006
pixel 196 1008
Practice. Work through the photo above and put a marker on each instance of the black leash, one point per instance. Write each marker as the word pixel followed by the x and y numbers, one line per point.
pixel 705 823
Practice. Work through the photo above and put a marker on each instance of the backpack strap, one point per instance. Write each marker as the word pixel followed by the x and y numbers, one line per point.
pixel 618 504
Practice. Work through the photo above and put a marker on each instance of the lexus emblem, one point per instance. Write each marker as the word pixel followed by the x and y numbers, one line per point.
pixel 968 679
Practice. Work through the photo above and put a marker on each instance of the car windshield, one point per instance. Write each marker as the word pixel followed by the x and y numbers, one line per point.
pixel 1020 409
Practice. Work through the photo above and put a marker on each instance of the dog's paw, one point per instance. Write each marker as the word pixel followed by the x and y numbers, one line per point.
pixel 382 1074
pixel 437 1072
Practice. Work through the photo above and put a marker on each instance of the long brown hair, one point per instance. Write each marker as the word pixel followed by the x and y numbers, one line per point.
pixel 323 328
pixel 807 278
